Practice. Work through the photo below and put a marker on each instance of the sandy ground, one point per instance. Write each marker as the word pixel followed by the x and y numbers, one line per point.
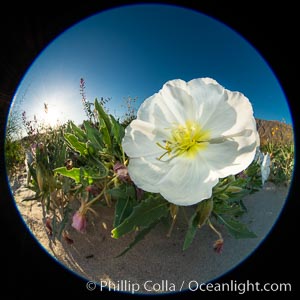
pixel 157 259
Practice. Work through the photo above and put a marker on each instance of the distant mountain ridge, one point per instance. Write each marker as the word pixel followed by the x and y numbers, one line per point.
pixel 274 131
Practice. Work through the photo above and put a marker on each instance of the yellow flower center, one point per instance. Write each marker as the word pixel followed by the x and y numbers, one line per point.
pixel 185 140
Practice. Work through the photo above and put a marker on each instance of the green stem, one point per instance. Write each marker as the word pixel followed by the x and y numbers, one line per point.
pixel 123 156
pixel 172 226
pixel 185 215
pixel 100 194
pixel 95 199
pixel 214 229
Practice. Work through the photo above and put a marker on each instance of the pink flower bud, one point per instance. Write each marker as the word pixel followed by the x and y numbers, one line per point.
pixel 93 189
pixel 218 246
pixel 242 175
pixel 79 222
pixel 121 171
pixel 139 193
pixel 40 146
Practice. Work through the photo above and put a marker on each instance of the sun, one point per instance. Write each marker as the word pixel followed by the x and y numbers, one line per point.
pixel 53 114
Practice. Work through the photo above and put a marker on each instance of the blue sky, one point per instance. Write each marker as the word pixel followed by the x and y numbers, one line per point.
pixel 133 50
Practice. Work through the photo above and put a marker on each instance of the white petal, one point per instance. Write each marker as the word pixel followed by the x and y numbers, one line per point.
pixel 211 102
pixel 188 182
pixel 152 111
pixel 140 139
pixel 220 111
pixel 146 173
pixel 231 156
pixel 256 133
pixel 181 181
pixel 233 116
pixel 178 99
pixel 244 112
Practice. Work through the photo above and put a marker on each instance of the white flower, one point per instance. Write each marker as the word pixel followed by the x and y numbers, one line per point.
pixel 265 167
pixel 265 162
pixel 187 136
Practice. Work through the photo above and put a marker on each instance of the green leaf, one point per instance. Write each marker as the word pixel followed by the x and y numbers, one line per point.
pixel 73 173
pixel 118 130
pixel 93 135
pixel 204 210
pixel 143 215
pixel 228 208
pixel 125 203
pixel 240 182
pixel 32 172
pixel 99 171
pixel 79 133
pixel 234 197
pixel 105 124
pixel 197 220
pixel 60 156
pixel 237 229
pixel 122 191
pixel 138 238
pixel 123 209
pixel 77 146
pixel 222 196
pixel 96 172
pixel 191 232
pixel 105 134
pixel 102 114
pixel 117 134
pixel 66 212
pixel 77 173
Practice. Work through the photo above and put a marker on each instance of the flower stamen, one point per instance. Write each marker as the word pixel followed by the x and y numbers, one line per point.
pixel 185 140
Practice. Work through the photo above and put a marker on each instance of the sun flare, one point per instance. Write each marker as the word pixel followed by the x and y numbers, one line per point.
pixel 53 113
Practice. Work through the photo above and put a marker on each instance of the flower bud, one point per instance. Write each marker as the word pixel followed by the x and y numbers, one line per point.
pixel 121 171
pixel 204 210
pixel 40 146
pixel 93 189
pixel 79 222
pixel 234 189
pixel 69 164
pixel 139 193
pixel 218 245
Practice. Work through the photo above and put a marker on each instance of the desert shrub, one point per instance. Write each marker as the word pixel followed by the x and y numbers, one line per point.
pixel 282 162
pixel 14 156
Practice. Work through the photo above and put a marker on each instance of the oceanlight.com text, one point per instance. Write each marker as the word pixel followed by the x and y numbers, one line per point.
pixel 240 287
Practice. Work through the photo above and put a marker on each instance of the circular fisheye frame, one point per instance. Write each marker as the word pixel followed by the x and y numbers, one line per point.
pixel 148 157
